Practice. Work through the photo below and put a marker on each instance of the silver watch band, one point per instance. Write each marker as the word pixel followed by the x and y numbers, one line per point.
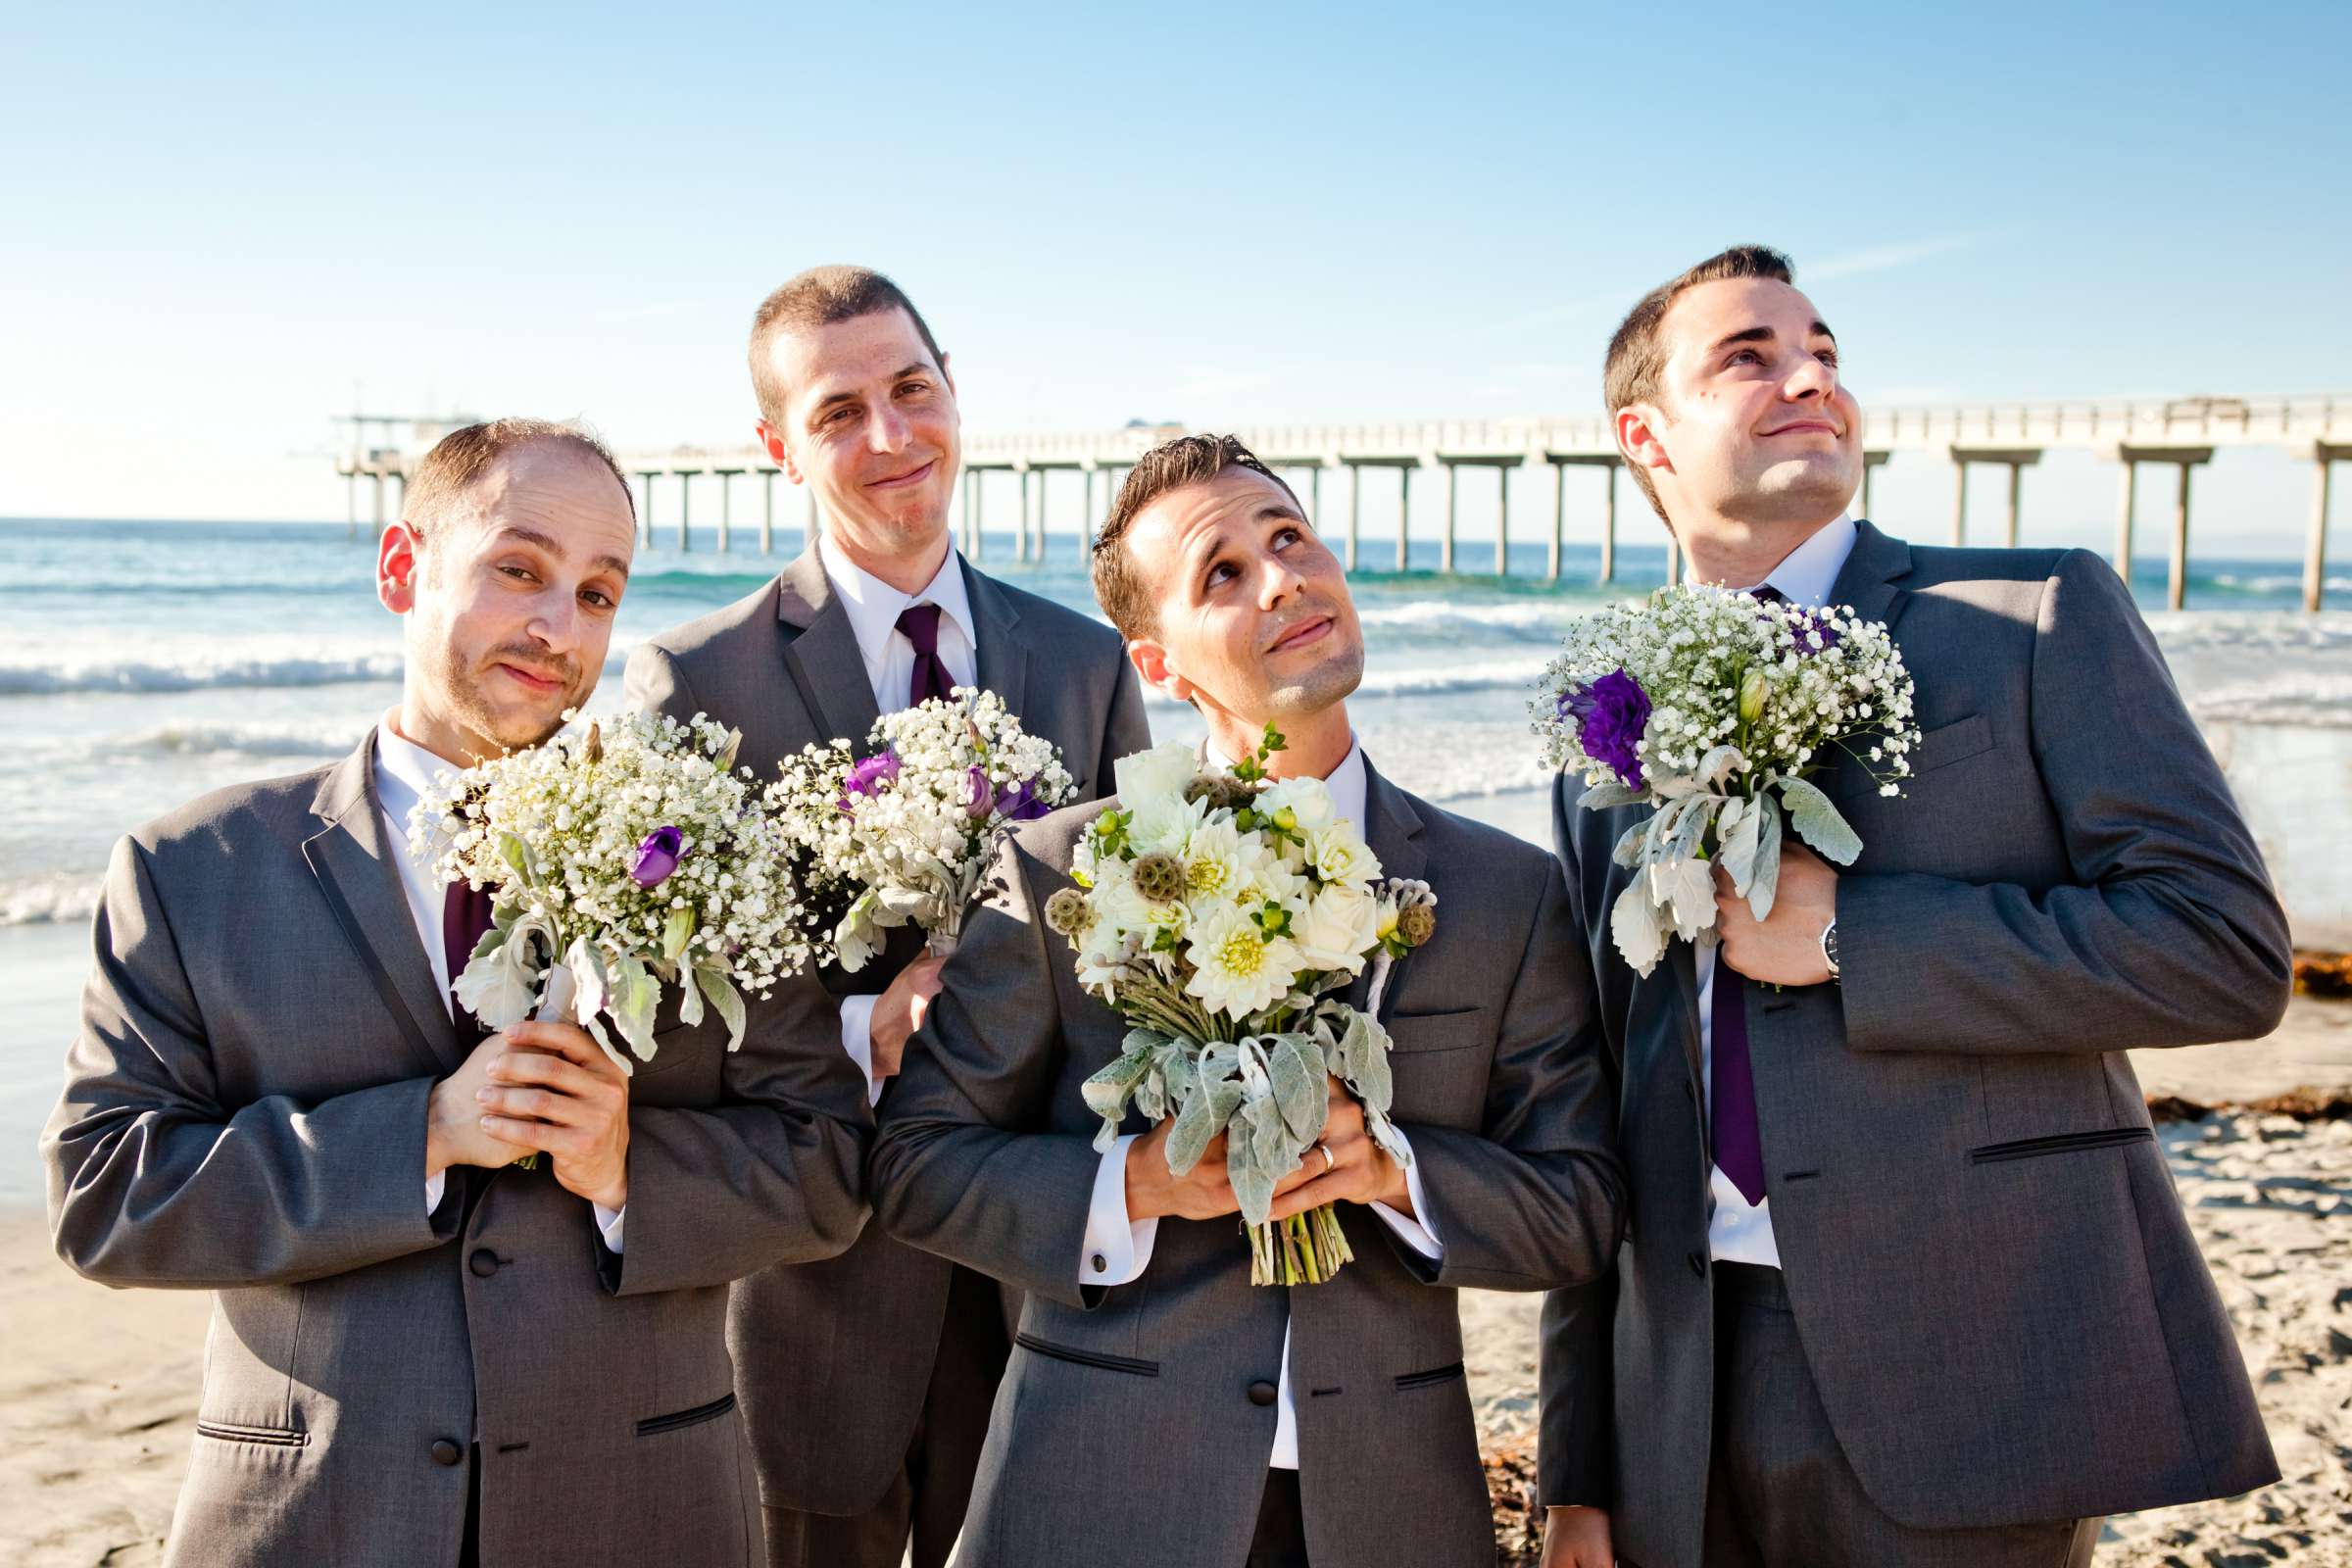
pixel 1829 947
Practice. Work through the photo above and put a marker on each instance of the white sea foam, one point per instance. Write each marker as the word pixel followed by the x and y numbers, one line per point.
pixel 194 671
pixel 47 897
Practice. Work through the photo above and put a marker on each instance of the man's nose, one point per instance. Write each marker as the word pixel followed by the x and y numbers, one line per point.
pixel 886 430
pixel 557 625
pixel 1279 583
pixel 1812 378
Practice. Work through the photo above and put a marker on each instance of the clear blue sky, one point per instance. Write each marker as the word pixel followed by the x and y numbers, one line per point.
pixel 215 224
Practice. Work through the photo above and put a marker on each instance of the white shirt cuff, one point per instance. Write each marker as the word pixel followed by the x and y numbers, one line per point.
pixel 1417 1232
pixel 857 1039
pixel 434 1186
pixel 1118 1249
pixel 607 1221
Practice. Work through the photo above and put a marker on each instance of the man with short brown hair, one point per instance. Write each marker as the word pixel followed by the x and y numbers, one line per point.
pixel 867 1380
pixel 419 1352
pixel 1912 1287
pixel 1160 1409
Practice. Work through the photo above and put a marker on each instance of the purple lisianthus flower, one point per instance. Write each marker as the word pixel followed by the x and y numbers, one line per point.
pixel 1610 713
pixel 978 798
pixel 1018 802
pixel 657 856
pixel 866 778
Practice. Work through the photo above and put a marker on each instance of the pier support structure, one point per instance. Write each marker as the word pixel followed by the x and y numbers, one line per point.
pixel 2324 459
pixel 1503 464
pixel 2184 459
pixel 685 506
pixel 767 511
pixel 1608 463
pixel 2017 459
pixel 645 512
pixel 1872 461
pixel 727 507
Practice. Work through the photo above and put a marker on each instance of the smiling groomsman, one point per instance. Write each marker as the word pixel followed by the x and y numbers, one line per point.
pixel 1160 1409
pixel 420 1355
pixel 1907 1282
pixel 867 1380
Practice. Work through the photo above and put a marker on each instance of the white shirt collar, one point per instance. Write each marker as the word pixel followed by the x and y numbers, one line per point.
pixel 874 606
pixel 1346 782
pixel 404 771
pixel 1811 570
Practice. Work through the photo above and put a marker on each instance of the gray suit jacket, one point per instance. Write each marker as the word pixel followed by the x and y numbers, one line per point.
pixel 832 1359
pixel 244 1112
pixel 1999 1300
pixel 1125 1429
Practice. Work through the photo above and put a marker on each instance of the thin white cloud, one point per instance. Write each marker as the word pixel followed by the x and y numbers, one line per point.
pixel 1883 258
pixel 647 313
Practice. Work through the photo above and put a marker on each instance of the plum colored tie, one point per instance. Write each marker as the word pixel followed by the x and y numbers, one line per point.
pixel 465 917
pixel 1739 1144
pixel 920 623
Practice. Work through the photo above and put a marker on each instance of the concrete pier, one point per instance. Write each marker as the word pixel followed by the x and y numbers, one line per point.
pixel 2183 432
pixel 767 511
pixel 727 507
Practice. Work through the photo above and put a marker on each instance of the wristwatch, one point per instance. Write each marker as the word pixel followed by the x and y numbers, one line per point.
pixel 1829 947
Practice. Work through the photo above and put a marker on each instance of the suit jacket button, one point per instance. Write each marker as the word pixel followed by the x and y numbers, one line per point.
pixel 483 1263
pixel 1698 1264
pixel 1262 1392
pixel 446 1452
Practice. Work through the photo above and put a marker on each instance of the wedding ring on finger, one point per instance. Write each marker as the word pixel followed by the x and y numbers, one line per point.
pixel 1328 1162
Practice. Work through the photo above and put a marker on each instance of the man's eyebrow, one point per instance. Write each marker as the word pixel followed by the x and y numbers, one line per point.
pixel 850 395
pixel 1753 335
pixel 534 538
pixel 1821 328
pixel 1278 509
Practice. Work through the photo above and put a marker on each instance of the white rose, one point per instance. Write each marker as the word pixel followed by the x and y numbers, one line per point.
pixel 1307 800
pixel 1337 928
pixel 1163 771
pixel 1339 855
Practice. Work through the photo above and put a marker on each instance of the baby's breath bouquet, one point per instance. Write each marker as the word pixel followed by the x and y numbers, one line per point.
pixel 622 859
pixel 903 834
pixel 1715 708
pixel 1215 910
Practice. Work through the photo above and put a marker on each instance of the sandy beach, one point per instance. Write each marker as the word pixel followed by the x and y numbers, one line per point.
pixel 98 1395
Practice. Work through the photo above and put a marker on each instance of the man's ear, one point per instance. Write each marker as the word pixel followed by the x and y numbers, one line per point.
pixel 945 374
pixel 1151 662
pixel 398 565
pixel 777 452
pixel 1638 427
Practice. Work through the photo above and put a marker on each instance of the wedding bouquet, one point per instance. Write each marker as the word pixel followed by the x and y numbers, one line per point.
pixel 1215 910
pixel 903 834
pixel 621 859
pixel 1715 708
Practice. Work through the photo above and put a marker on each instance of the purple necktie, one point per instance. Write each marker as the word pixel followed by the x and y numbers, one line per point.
pixel 465 917
pixel 1739 1144
pixel 920 623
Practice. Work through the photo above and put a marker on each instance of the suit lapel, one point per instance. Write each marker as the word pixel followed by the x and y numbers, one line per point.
pixel 352 857
pixel 1393 830
pixel 1000 650
pixel 823 659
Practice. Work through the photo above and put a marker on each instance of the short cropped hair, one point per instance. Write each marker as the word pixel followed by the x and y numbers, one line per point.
pixel 1123 593
pixel 1636 368
pixel 821 297
pixel 460 458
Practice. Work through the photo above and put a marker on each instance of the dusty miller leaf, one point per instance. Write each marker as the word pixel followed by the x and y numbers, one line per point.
pixel 1817 822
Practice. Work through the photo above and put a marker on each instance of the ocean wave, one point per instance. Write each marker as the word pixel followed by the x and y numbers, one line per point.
pixel 1438 680
pixel 327 738
pixel 194 672
pixel 48 898
pixel 1511 614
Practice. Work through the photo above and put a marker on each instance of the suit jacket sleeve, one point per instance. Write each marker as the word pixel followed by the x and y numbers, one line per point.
pixel 1536 1196
pixel 1128 730
pixel 156 1180
pixel 776 1173
pixel 773 1174
pixel 1574 1446
pixel 2168 933
pixel 964 1165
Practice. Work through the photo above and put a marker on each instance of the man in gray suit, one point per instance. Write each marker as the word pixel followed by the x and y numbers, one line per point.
pixel 866 1380
pixel 1906 1281
pixel 1159 1408
pixel 420 1355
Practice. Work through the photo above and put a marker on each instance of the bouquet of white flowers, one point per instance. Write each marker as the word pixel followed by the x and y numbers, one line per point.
pixel 1708 705
pixel 903 834
pixel 1217 909
pixel 621 858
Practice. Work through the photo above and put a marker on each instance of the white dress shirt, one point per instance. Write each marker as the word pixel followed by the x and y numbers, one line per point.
pixel 874 607
pixel 1737 1230
pixel 1118 1249
pixel 404 772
